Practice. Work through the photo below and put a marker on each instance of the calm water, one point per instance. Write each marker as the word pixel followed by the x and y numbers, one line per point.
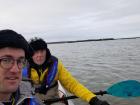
pixel 100 64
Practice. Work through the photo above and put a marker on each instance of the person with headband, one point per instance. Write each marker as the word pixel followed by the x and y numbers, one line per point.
pixel 45 70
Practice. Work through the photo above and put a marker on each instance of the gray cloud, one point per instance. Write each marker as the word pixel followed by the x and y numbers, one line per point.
pixel 57 20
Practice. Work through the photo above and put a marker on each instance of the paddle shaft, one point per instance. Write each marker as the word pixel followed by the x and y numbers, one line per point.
pixel 70 97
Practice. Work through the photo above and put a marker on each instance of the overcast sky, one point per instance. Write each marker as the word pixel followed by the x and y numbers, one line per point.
pixel 57 20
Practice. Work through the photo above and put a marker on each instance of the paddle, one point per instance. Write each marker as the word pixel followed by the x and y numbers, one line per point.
pixel 123 89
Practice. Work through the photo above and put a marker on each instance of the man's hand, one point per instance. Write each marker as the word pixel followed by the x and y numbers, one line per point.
pixel 96 101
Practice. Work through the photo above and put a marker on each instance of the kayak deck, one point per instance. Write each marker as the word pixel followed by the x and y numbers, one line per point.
pixel 62 93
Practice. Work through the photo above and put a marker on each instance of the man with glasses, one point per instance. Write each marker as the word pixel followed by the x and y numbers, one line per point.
pixel 14 50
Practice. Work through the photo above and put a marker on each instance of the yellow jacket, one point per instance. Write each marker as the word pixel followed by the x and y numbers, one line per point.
pixel 67 80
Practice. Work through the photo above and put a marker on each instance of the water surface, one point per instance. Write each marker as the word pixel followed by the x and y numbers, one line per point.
pixel 100 64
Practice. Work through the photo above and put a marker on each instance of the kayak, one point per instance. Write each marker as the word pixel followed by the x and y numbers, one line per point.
pixel 62 93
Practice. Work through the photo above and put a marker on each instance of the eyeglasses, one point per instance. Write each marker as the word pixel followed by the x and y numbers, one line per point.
pixel 8 62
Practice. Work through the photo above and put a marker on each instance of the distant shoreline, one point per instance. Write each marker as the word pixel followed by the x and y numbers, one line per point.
pixel 88 40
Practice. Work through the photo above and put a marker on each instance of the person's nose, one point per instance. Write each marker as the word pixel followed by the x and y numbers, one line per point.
pixel 15 67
